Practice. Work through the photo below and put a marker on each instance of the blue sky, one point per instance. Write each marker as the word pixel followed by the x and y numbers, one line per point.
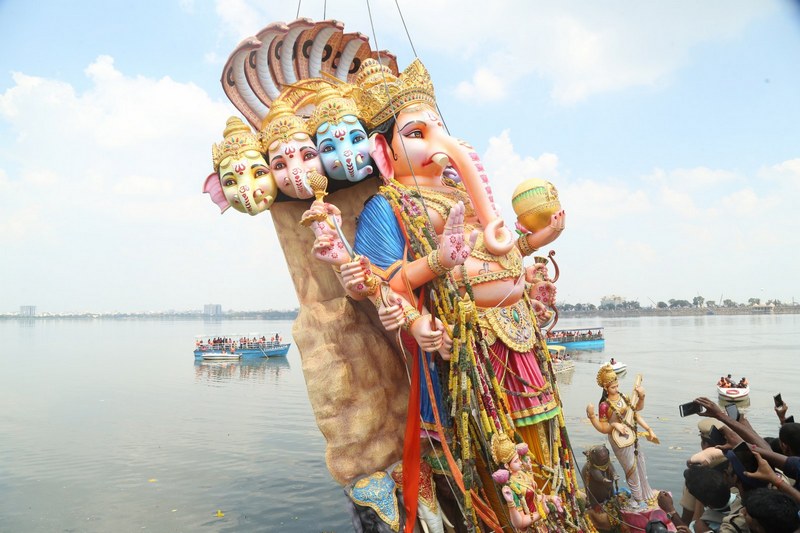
pixel 670 130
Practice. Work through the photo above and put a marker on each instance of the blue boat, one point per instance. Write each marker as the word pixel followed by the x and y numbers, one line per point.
pixel 577 339
pixel 210 348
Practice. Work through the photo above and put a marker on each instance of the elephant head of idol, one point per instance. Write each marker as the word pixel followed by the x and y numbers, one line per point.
pixel 340 137
pixel 291 151
pixel 241 176
pixel 410 144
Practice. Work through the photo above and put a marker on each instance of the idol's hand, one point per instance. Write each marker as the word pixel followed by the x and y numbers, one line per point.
pixel 453 247
pixel 546 235
pixel 428 336
pixel 391 312
pixel 507 494
pixel 590 410
pixel 357 276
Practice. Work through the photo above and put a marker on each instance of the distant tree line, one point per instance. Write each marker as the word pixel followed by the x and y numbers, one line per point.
pixel 697 301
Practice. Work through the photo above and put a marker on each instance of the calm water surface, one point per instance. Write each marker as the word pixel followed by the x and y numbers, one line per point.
pixel 112 426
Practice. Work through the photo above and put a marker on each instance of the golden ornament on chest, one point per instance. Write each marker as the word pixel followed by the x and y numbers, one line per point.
pixel 535 201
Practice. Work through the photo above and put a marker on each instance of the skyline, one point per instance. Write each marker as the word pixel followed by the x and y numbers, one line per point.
pixel 670 131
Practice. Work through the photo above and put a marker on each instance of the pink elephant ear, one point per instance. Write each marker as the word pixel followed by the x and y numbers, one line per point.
pixel 381 153
pixel 214 189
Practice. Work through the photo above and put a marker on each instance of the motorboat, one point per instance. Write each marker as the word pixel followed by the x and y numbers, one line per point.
pixel 733 393
pixel 618 366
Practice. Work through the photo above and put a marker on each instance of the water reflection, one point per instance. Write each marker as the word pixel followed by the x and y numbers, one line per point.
pixel 259 370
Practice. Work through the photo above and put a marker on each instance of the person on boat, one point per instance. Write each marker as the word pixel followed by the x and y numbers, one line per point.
pixel 721 382
pixel 743 383
pixel 618 417
pixel 613 362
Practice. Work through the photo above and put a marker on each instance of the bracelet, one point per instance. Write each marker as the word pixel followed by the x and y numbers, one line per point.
pixel 412 315
pixel 368 287
pixel 524 245
pixel 336 269
pixel 435 264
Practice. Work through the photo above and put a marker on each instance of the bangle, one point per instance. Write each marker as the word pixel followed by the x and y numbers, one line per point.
pixel 435 264
pixel 336 269
pixel 524 245
pixel 412 315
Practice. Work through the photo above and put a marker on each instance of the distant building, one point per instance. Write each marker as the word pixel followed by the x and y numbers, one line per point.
pixel 212 310
pixel 27 310
pixel 612 300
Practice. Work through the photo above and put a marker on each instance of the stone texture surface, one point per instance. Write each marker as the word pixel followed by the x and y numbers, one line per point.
pixel 356 378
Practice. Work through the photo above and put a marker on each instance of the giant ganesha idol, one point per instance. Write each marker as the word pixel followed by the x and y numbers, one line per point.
pixel 433 281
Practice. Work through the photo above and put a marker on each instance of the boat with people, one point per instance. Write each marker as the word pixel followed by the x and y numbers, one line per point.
pixel 733 390
pixel 733 393
pixel 618 366
pixel 234 347
pixel 562 362
pixel 577 339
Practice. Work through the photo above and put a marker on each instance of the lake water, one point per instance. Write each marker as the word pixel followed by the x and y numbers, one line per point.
pixel 111 425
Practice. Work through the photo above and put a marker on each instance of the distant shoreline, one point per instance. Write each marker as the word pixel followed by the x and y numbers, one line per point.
pixel 178 315
pixel 686 311
pixel 292 314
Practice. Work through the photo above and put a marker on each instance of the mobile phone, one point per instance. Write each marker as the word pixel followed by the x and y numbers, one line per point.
pixel 691 408
pixel 732 411
pixel 778 400
pixel 746 457
pixel 715 437
pixel 789 420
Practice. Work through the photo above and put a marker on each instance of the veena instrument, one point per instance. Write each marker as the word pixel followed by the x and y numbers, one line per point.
pixel 628 419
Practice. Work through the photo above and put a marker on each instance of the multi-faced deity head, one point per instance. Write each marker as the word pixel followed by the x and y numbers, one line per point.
pixel 341 138
pixel 242 171
pixel 292 153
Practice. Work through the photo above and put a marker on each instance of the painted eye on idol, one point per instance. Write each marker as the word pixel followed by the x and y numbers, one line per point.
pixel 229 182
pixel 413 134
pixel 326 148
pixel 309 154
pixel 358 137
pixel 278 165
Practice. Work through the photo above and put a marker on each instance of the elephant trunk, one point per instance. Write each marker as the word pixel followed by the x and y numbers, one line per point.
pixel 497 238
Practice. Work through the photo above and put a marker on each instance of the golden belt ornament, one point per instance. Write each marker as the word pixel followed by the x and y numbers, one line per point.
pixel 513 325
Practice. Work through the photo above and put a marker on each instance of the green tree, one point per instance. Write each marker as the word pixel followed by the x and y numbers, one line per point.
pixel 754 301
pixel 662 305
pixel 697 301
pixel 729 303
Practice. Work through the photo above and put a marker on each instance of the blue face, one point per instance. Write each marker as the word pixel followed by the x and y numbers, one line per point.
pixel 344 150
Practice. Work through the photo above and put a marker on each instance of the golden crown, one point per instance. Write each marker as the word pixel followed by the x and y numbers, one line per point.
pixel 238 138
pixel 606 376
pixel 382 94
pixel 503 449
pixel 281 124
pixel 331 105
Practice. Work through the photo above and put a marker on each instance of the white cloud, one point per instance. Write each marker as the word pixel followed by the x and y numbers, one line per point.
pixel 697 178
pixel 485 86
pixel 582 48
pixel 102 194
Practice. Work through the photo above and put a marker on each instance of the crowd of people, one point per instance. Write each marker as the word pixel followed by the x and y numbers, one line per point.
pixel 228 344
pixel 739 482
pixel 727 382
